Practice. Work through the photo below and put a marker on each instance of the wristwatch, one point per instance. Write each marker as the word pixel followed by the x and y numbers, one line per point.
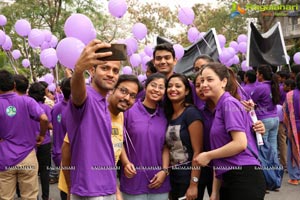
pixel 195 179
pixel 166 170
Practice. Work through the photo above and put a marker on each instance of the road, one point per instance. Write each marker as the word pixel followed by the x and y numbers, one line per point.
pixel 286 192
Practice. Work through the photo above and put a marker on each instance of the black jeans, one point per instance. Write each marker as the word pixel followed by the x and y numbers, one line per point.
pixel 247 183
pixel 205 181
pixel 44 159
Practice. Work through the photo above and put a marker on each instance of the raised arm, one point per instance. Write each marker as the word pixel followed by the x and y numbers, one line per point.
pixel 88 59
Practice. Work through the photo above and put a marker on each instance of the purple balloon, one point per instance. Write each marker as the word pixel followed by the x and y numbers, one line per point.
pixel 3 20
pixel 48 58
pixel 22 27
pixel 297 58
pixel 231 51
pixel 244 66
pixel 145 59
pixel 225 56
pixel 52 87
pixel 179 51
pixel 148 50
pixel 127 70
pixel 47 35
pixel 139 31
pixel 193 34
pixel 53 41
pixel 16 54
pixel 117 8
pixel 142 54
pixel 25 63
pixel 222 40
pixel 49 78
pixel 142 78
pixel 234 45
pixel 242 38
pixel 7 45
pixel 81 27
pixel 68 51
pixel 186 15
pixel 243 47
pixel 132 46
pixel 135 60
pixel 36 37
pixel 2 37
pixel 235 60
pixel 45 45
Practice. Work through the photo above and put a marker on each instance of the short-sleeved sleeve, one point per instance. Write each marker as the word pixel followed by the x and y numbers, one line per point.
pixel 234 116
pixel 192 114
pixel 35 109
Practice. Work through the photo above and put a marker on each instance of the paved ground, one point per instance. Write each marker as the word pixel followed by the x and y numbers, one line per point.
pixel 287 192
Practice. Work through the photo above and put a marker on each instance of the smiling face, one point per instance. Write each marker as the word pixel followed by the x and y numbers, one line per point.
pixel 155 90
pixel 198 89
pixel 176 90
pixel 104 77
pixel 164 62
pixel 123 97
pixel 211 85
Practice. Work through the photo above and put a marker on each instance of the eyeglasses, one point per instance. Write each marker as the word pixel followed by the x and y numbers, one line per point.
pixel 197 69
pixel 156 86
pixel 125 92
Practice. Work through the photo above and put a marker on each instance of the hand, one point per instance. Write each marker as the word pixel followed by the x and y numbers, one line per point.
pixel 214 196
pixel 259 127
pixel 192 192
pixel 119 194
pixel 89 58
pixel 248 105
pixel 203 159
pixel 39 140
pixel 157 180
pixel 129 170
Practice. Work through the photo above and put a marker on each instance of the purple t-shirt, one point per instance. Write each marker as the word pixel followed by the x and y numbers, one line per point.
pixel 197 102
pixel 36 124
pixel 262 97
pixel 230 115
pixel 279 112
pixel 59 131
pixel 19 138
pixel 208 118
pixel 249 88
pixel 282 94
pixel 92 156
pixel 147 134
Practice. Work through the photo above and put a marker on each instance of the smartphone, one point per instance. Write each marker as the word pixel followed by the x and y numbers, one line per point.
pixel 119 52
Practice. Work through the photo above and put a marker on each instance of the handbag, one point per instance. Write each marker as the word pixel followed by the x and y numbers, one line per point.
pixel 270 165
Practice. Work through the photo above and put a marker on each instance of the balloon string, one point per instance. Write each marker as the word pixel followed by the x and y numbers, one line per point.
pixel 131 143
pixel 26 52
pixel 11 62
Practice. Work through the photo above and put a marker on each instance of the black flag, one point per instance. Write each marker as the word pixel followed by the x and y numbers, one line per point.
pixel 268 48
pixel 209 46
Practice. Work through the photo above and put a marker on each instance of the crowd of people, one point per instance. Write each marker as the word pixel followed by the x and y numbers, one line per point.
pixel 167 138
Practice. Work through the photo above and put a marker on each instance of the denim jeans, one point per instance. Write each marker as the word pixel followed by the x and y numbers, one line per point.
pixel 271 126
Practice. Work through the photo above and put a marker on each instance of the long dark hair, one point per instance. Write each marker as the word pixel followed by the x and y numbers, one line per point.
pixel 268 75
pixel 188 100
pixel 224 72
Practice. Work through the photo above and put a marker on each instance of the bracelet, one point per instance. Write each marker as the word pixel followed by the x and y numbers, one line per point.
pixel 166 170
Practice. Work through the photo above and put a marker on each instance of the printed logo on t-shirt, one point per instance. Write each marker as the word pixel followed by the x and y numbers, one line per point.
pixel 58 118
pixel 178 151
pixel 11 111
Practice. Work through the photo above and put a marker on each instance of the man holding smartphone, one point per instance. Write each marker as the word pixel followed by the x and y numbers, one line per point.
pixel 92 167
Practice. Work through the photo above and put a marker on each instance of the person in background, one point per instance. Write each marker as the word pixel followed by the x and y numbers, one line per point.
pixel 144 175
pixel 150 68
pixel 37 92
pixel 230 135
pixel 291 109
pixel 18 162
pixel 184 137
pixel 295 70
pixel 49 97
pixel 282 77
pixel 250 82
pixel 266 96
pixel 22 84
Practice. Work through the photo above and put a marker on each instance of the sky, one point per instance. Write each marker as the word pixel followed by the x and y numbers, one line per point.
pixel 183 3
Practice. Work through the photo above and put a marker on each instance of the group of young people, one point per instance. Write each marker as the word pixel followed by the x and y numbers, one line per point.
pixel 174 138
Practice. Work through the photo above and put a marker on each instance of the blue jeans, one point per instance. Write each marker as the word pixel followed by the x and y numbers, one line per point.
pixel 294 171
pixel 161 196
pixel 271 126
